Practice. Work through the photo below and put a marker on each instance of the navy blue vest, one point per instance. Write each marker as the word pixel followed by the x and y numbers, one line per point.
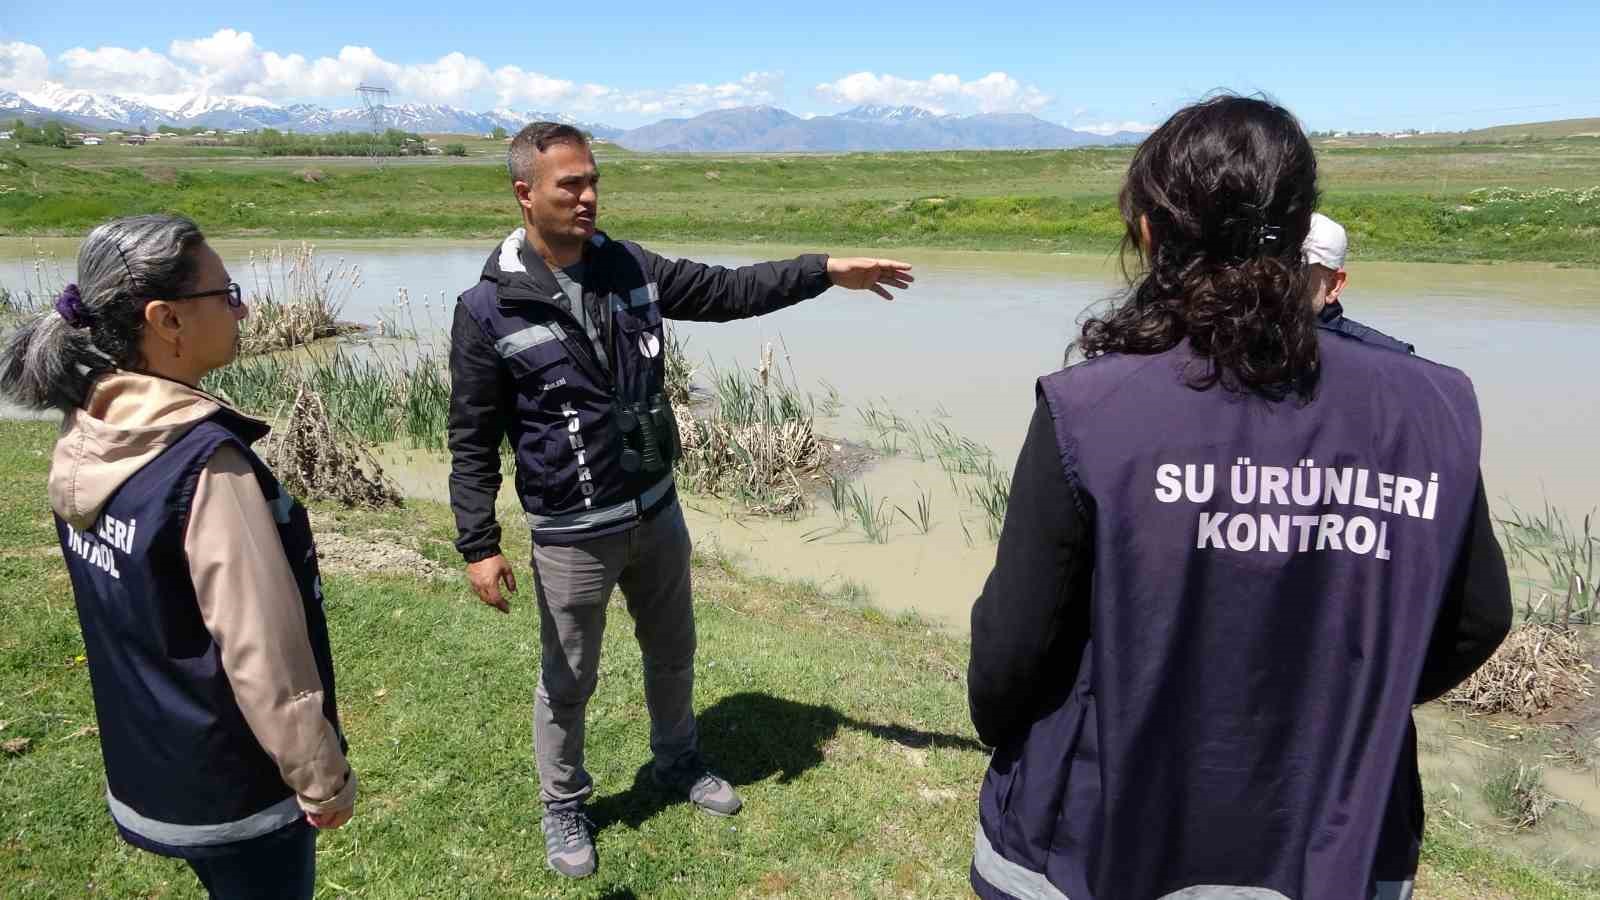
pixel 566 427
pixel 185 775
pixel 1332 318
pixel 1266 580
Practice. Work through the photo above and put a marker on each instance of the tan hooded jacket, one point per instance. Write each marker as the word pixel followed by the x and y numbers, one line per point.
pixel 247 592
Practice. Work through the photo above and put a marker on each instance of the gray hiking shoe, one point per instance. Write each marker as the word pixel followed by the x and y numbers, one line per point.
pixel 704 789
pixel 568 844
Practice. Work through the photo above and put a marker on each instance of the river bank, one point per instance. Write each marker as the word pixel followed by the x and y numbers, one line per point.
pixel 1535 204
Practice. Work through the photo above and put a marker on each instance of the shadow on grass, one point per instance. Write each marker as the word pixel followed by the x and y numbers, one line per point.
pixel 750 737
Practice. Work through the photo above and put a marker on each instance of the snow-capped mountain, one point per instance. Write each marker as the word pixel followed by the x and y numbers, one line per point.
pixel 92 108
pixel 891 114
pixel 227 112
pixel 766 129
pixel 13 102
pixel 756 128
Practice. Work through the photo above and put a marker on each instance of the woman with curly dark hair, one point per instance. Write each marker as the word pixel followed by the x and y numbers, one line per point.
pixel 1239 548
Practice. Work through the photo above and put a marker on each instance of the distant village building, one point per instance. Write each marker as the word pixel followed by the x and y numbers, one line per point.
pixel 136 139
pixel 114 134
pixel 5 135
pixel 92 142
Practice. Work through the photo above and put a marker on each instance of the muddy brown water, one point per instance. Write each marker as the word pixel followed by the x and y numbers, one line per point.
pixel 963 348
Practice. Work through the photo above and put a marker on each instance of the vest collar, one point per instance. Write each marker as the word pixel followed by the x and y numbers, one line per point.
pixel 521 276
pixel 128 420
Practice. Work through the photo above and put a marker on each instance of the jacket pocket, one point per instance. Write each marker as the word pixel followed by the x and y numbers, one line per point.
pixel 530 351
pixel 643 330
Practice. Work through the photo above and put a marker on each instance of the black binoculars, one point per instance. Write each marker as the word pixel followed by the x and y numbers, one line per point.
pixel 649 435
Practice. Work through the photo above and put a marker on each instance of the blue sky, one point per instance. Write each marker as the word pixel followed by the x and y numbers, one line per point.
pixel 1358 65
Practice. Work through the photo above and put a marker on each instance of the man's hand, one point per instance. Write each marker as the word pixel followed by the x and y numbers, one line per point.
pixel 330 820
pixel 485 576
pixel 861 273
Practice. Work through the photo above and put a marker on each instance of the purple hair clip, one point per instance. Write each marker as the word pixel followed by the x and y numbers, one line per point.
pixel 70 306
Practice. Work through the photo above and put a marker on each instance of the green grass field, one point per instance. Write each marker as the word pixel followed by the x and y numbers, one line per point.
pixel 846 732
pixel 1421 202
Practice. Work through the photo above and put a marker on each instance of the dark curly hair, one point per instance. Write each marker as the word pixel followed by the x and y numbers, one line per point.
pixel 1226 188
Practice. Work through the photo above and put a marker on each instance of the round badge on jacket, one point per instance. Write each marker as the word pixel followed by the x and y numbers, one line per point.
pixel 649 345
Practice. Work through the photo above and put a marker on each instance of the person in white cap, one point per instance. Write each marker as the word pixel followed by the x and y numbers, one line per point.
pixel 1324 250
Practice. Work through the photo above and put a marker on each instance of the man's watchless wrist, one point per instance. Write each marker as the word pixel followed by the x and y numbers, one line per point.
pixel 472 556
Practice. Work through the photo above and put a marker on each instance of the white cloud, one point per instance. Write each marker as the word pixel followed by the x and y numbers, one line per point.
pixel 754 89
pixel 22 66
pixel 1108 128
pixel 453 78
pixel 516 87
pixel 119 70
pixel 940 93
pixel 231 62
pixel 226 62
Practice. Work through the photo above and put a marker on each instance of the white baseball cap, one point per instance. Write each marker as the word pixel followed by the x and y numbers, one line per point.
pixel 1326 243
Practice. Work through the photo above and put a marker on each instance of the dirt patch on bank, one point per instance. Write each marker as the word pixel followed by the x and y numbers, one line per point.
pixel 372 553
pixel 362 556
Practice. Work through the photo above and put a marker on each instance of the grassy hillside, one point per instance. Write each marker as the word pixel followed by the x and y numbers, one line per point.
pixel 1412 202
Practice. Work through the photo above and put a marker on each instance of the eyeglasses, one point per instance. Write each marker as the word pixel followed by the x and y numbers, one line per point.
pixel 234 292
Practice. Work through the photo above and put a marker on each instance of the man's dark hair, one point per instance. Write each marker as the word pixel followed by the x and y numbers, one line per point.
pixel 533 140
pixel 1228 186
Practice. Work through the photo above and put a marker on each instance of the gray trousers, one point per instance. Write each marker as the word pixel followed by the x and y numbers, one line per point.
pixel 573 584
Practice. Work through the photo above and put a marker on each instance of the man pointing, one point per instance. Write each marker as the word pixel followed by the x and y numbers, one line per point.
pixel 559 349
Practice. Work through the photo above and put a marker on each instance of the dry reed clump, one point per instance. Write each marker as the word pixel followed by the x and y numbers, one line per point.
pixel 756 442
pixel 762 462
pixel 314 462
pixel 295 300
pixel 1536 667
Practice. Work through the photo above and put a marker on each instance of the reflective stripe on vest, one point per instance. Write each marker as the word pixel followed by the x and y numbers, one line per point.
pixel 636 297
pixel 606 515
pixel 532 336
pixel 1007 876
pixel 1026 884
pixel 264 822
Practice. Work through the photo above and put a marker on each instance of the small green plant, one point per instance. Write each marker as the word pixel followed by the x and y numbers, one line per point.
pixel 831 404
pixel 1516 794
pixel 375 401
pixel 957 455
pixel 18 304
pixel 991 493
pixel 871 515
pixel 839 496
pixel 680 371
pixel 923 521
pixel 1567 554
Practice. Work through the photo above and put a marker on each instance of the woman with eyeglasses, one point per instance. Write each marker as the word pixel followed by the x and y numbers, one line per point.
pixel 194 574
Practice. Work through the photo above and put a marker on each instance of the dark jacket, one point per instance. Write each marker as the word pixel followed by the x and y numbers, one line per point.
pixel 523 369
pixel 1332 317
pixel 1188 687
pixel 186 776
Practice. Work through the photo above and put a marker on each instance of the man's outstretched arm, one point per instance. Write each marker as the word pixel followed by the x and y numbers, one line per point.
pixel 705 293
